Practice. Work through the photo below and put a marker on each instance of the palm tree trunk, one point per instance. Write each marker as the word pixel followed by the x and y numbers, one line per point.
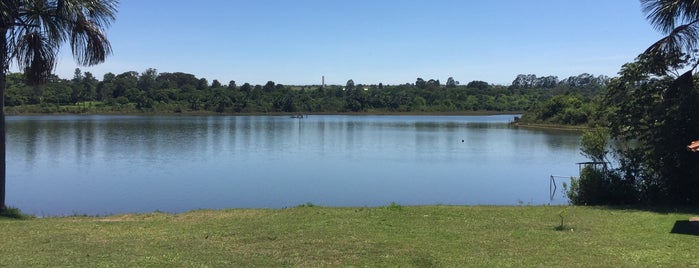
pixel 4 64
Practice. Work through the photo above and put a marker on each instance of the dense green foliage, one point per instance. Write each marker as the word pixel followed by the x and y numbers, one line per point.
pixel 571 109
pixel 597 184
pixel 575 100
pixel 656 108
pixel 653 116
pixel 151 91
pixel 654 120
pixel 391 236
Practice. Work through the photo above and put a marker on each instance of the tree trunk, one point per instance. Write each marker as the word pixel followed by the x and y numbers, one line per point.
pixel 4 64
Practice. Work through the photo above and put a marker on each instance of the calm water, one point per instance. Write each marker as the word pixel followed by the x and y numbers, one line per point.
pixel 60 165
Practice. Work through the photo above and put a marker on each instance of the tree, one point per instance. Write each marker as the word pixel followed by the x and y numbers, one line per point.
pixel 203 84
pixel 215 84
pixel 420 83
pixel 146 81
pixel 83 86
pixel 654 105
pixel 531 81
pixel 451 83
pixel 269 86
pixel 597 185
pixel 433 84
pixel 32 33
pixel 246 88
pixel 665 15
pixel 593 145
pixel 524 81
pixel 77 75
pixel 220 100
pixel 78 91
pixel 178 80
pixel 349 86
pixel 123 82
pixel 89 80
pixel 478 84
pixel 105 89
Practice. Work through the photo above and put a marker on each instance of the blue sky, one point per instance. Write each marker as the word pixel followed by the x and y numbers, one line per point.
pixel 373 41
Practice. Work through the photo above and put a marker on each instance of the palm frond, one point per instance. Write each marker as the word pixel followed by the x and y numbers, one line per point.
pixel 87 21
pixel 37 56
pixel 100 12
pixel 664 15
pixel 8 11
pixel 37 28
pixel 89 44
pixel 683 37
pixel 40 16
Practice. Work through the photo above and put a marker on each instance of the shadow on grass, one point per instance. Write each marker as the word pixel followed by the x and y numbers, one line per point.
pixel 685 227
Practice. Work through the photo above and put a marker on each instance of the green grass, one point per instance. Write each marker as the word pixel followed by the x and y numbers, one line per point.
pixel 393 236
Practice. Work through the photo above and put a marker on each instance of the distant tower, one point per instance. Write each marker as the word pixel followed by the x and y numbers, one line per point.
pixel 323 82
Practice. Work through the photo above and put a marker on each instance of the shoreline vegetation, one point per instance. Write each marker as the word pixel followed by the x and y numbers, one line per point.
pixel 88 108
pixel 77 109
pixel 394 235
pixel 552 126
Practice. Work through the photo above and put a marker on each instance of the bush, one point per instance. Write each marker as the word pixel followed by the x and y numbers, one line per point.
pixel 14 213
pixel 394 206
pixel 599 186
pixel 122 100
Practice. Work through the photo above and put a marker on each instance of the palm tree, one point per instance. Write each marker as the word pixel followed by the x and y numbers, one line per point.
pixel 679 20
pixel 34 30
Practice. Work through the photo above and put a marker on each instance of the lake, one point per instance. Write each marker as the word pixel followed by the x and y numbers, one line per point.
pixel 99 165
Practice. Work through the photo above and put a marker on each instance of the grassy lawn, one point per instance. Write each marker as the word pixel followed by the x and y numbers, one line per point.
pixel 394 236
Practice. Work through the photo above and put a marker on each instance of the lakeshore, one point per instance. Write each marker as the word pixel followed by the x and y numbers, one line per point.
pixel 81 109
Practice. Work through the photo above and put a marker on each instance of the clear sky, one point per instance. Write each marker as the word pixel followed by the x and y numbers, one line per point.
pixel 295 42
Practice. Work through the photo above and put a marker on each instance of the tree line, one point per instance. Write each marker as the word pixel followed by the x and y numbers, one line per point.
pixel 150 91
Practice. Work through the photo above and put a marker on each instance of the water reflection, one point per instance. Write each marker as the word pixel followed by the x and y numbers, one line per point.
pixel 111 164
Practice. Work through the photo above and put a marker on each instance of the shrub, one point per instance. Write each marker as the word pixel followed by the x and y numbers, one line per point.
pixel 394 206
pixel 122 100
pixel 14 213
pixel 306 205
pixel 598 186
